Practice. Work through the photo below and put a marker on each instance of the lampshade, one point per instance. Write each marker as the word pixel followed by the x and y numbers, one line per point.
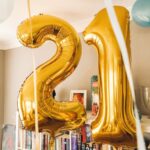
pixel 6 7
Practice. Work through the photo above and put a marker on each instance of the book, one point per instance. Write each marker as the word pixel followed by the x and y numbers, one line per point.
pixel 58 142
pixel 46 142
pixel 94 94
pixel 83 146
pixel 79 141
pixel 83 134
pixel 8 138
pixel 62 141
pixel 68 144
pixel 62 144
pixel 20 139
pixel 96 146
pixel 28 140
pixel 74 141
pixel 33 141
pixel 88 133
pixel 87 147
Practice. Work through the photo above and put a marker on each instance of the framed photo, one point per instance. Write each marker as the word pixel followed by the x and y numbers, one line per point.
pixel 80 96
pixel 94 95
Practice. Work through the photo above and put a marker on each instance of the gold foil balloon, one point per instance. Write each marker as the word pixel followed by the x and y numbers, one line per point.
pixel 53 115
pixel 115 122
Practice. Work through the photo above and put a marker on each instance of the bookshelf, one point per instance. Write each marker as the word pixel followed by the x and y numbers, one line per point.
pixel 80 139
pixel 70 140
pixel 27 140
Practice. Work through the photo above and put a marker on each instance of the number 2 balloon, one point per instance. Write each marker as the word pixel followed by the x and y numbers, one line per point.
pixel 53 115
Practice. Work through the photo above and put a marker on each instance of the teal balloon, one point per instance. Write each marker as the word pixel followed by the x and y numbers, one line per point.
pixel 141 12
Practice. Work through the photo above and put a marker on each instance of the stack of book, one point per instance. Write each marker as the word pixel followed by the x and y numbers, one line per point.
pixel 62 142
pixel 80 139
pixel 27 140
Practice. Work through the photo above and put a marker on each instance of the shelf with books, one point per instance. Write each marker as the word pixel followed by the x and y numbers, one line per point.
pixel 79 139
pixel 26 140
pixel 76 140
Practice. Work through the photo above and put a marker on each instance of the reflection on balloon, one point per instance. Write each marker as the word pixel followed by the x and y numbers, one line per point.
pixel 141 12
pixel 115 122
pixel 53 115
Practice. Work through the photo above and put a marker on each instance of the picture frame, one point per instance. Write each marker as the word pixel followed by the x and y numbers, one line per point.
pixel 80 96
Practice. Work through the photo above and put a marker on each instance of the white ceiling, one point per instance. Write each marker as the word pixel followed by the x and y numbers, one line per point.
pixel 77 12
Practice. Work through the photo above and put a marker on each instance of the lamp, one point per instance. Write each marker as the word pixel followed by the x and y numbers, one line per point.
pixel 6 7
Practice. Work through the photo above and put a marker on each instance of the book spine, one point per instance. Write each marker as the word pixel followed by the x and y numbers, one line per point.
pixel 43 146
pixel 46 142
pixel 94 95
pixel 65 143
pixel 49 141
pixel 70 133
pixel 30 140
pixel 68 144
pixel 87 147
pixel 20 141
pixel 83 134
pixel 79 141
pixel 57 143
pixel 74 142
pixel 61 143
pixel 83 146
pixel 88 133
pixel 24 139
pixel 33 140
pixel 42 139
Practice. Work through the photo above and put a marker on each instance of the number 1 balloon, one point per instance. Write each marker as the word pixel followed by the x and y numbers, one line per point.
pixel 115 122
pixel 53 115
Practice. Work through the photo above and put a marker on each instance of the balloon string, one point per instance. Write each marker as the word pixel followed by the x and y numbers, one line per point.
pixel 36 102
pixel 35 83
pixel 29 13
pixel 123 49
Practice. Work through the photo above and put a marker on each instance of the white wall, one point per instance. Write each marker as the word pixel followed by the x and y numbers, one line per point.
pixel 140 44
pixel 18 65
pixel 6 8
pixel 1 95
